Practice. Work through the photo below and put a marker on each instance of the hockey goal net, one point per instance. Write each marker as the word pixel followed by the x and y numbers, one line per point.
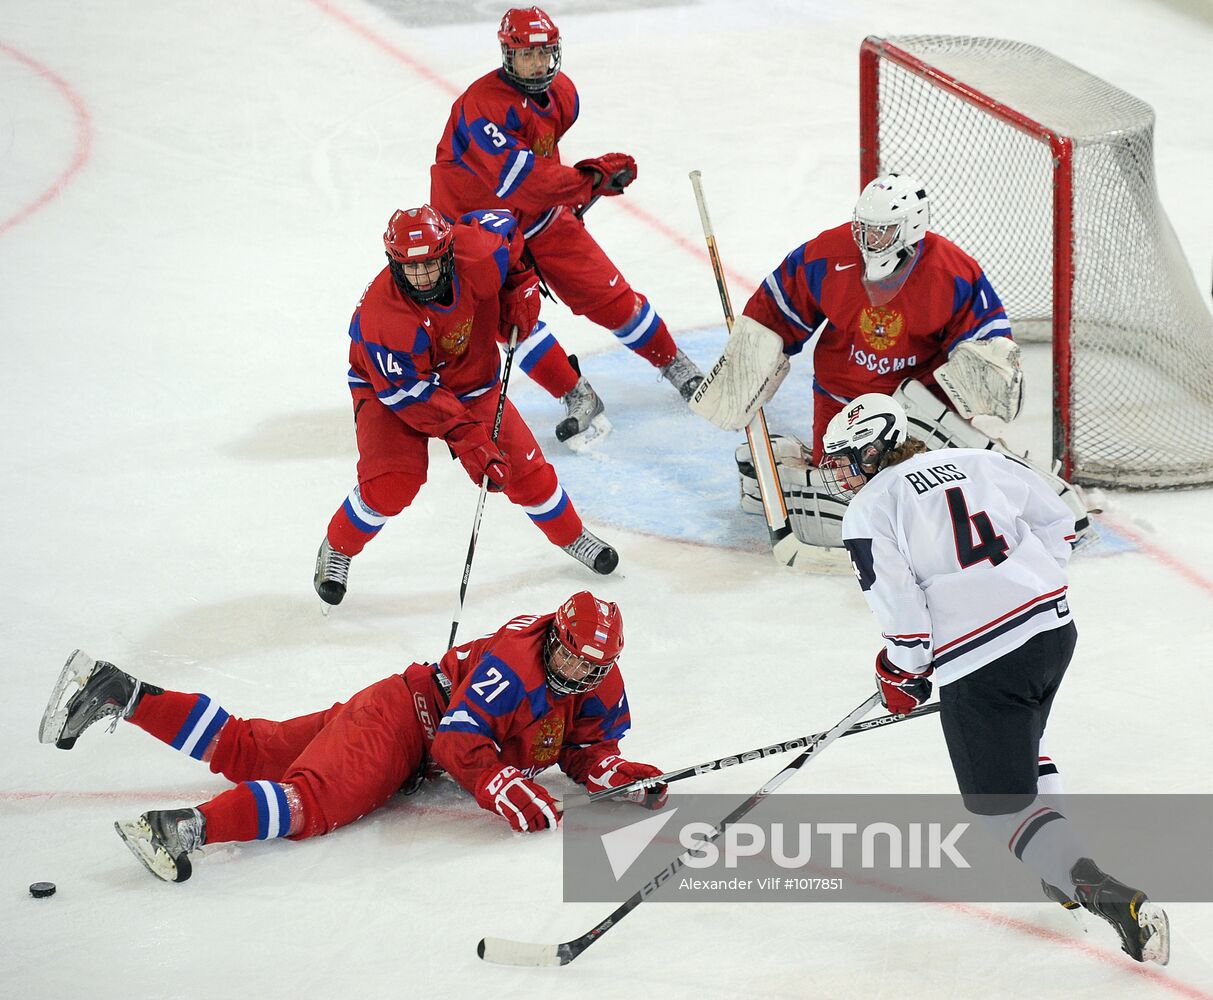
pixel 1045 174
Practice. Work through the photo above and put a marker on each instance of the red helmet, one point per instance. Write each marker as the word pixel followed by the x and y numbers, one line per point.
pixel 589 633
pixel 529 28
pixel 414 236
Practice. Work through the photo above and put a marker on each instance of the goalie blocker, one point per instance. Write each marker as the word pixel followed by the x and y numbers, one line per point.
pixel 816 516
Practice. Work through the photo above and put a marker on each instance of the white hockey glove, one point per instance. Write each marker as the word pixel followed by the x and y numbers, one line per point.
pixel 745 378
pixel 983 376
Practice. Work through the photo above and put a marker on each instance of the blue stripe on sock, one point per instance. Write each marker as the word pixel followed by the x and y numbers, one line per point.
pixel 358 522
pixel 200 707
pixel 284 811
pixel 554 512
pixel 200 748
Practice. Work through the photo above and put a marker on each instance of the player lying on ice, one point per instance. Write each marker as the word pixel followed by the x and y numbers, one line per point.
pixel 962 555
pixel 493 713
pixel 902 311
pixel 424 364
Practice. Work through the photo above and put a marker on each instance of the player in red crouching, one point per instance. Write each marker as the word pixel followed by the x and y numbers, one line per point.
pixel 494 713
pixel 424 364
pixel 501 147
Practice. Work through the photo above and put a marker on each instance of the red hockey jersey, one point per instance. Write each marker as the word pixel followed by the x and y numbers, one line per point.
pixel 502 711
pixel 423 361
pixel 945 298
pixel 500 149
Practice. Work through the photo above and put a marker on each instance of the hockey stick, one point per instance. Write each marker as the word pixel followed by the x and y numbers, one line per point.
pixel 758 753
pixel 529 257
pixel 484 485
pixel 787 548
pixel 505 952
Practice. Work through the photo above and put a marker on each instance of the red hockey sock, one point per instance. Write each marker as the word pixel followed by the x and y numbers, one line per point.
pixel 638 328
pixel 253 810
pixel 556 517
pixel 188 722
pixel 545 363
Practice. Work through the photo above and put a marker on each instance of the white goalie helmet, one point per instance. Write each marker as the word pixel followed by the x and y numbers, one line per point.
pixel 857 439
pixel 891 216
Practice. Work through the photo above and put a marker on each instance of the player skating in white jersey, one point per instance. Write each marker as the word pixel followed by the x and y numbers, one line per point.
pixel 962 555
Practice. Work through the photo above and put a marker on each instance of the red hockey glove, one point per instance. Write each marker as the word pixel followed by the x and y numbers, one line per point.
pixel 901 692
pixel 480 456
pixel 613 771
pixel 524 804
pixel 519 300
pixel 609 173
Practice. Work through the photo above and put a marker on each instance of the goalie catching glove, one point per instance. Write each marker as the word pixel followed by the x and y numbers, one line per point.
pixel 745 378
pixel 901 691
pixel 614 772
pixel 521 802
pixel 983 377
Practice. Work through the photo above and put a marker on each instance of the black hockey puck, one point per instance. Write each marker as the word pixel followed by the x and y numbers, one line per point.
pixel 40 890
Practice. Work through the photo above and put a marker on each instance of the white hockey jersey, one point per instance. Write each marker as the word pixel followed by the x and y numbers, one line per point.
pixel 962 556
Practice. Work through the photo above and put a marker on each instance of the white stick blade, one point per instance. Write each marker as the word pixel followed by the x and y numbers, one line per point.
pixel 501 951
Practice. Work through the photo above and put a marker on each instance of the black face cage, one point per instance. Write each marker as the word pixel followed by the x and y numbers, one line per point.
pixel 561 684
pixel 446 268
pixel 532 84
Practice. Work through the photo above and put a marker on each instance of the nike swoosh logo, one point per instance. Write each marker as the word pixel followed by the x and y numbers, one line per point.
pixel 427 321
pixel 844 267
pixel 613 280
pixel 531 454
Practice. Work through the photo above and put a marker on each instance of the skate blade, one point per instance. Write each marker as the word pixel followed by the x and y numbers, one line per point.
pixel 77 670
pixel 1153 919
pixel 137 836
pixel 598 428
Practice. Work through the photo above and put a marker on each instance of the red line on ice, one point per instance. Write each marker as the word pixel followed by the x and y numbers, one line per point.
pixel 84 136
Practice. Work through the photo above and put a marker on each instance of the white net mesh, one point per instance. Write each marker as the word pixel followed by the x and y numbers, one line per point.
pixel 1141 337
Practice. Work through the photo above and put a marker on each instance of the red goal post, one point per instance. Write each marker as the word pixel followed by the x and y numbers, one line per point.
pixel 1045 174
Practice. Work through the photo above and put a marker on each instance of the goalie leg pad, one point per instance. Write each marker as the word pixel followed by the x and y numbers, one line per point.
pixel 939 426
pixel 814 515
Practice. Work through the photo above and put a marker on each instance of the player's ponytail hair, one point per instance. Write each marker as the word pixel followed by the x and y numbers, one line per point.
pixel 907 449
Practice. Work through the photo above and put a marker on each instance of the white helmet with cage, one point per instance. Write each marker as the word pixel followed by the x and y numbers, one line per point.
pixel 857 439
pixel 891 217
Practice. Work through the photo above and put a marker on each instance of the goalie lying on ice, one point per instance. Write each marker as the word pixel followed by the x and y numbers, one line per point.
pixel 896 309
pixel 494 712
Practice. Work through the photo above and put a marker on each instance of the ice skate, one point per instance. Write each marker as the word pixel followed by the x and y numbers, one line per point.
pixel 593 552
pixel 332 573
pixel 1145 932
pixel 163 839
pixel 1057 896
pixel 584 421
pixel 87 691
pixel 683 374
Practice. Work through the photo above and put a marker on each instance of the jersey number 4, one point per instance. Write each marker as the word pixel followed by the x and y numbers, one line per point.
pixel 971 550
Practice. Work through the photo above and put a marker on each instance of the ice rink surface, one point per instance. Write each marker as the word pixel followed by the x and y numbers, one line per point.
pixel 191 201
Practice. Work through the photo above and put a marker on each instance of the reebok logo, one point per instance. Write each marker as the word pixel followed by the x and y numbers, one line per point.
pixel 624 846
pixel 844 267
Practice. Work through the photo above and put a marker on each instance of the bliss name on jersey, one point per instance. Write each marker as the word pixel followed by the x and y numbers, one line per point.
pixel 936 475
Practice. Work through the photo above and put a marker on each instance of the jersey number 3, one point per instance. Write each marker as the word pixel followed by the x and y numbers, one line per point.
pixel 986 545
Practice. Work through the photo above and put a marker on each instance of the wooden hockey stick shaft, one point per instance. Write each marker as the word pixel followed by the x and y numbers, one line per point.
pixel 484 485
pixel 504 952
pixel 756 432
